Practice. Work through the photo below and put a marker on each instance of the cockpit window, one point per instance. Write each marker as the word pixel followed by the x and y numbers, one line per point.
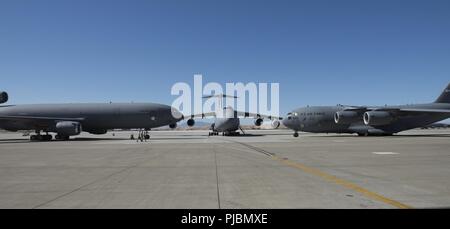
pixel 292 115
pixel 289 116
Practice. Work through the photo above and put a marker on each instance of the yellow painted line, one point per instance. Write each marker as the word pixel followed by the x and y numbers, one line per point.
pixel 341 182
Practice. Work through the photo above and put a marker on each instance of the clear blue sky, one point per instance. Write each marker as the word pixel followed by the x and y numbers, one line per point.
pixel 321 52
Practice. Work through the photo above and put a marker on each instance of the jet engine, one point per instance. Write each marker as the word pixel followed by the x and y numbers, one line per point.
pixel 173 126
pixel 68 128
pixel 275 124
pixel 346 117
pixel 258 122
pixel 190 122
pixel 3 97
pixel 377 118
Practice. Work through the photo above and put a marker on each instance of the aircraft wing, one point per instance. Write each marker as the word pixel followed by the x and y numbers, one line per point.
pixel 358 108
pixel 419 110
pixel 202 115
pixel 38 120
pixel 393 109
pixel 253 115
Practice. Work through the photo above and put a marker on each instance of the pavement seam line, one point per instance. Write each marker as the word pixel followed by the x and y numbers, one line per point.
pixel 217 177
pixel 330 178
pixel 342 182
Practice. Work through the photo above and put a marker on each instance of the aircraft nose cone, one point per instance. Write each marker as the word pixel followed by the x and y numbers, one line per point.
pixel 176 114
pixel 286 122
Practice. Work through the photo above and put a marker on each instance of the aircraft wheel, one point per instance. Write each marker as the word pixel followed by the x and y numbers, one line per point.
pixel 60 137
pixel 296 134
pixel 147 136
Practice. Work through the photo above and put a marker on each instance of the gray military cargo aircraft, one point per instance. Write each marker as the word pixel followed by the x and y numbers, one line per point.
pixel 364 121
pixel 227 121
pixel 96 118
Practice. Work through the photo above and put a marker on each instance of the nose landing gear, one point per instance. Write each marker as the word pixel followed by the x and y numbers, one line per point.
pixel 142 136
pixel 296 134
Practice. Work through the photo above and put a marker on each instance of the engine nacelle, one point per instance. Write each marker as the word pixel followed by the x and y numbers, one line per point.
pixel 68 128
pixel 377 118
pixel 98 132
pixel 3 97
pixel 275 124
pixel 190 122
pixel 258 122
pixel 173 126
pixel 346 117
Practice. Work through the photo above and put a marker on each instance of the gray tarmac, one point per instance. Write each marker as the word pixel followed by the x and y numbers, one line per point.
pixel 266 169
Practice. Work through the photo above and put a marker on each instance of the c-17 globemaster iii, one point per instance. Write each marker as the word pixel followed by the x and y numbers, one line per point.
pixel 365 120
pixel 96 118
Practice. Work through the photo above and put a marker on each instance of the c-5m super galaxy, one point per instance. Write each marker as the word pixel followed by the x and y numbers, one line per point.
pixel 96 118
pixel 364 120
pixel 227 121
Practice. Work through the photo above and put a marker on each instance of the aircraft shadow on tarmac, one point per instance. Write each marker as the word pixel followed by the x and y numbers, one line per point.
pixel 244 135
pixel 174 137
pixel 23 140
pixel 84 139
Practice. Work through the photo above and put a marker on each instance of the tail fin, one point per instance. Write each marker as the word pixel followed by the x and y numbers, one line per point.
pixel 445 96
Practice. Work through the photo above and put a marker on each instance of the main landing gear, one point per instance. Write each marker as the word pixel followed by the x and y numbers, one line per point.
pixel 62 137
pixel 39 137
pixel 296 134
pixel 235 133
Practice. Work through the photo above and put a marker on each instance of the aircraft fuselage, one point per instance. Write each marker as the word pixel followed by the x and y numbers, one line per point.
pixel 320 119
pixel 96 117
